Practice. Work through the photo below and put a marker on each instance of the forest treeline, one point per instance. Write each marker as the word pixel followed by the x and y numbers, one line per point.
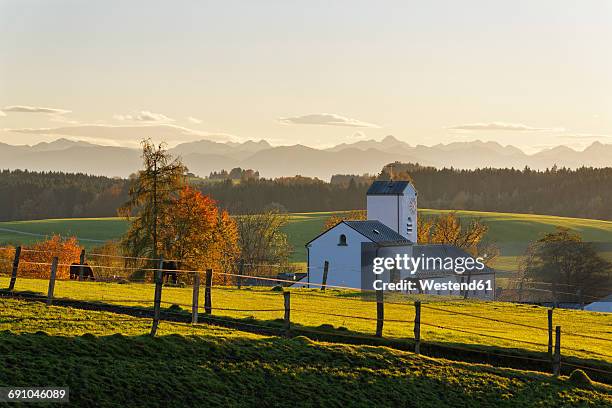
pixel 26 195
pixel 584 192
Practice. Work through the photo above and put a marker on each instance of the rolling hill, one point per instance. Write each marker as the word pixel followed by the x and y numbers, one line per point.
pixel 510 232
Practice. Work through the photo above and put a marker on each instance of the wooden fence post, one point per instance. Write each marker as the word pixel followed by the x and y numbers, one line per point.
pixel 550 333
pixel 15 268
pixel 240 273
pixel 207 294
pixel 557 358
pixel 380 312
pixel 196 298
pixel 417 327
pixel 325 271
pixel 159 279
pixel 466 293
pixel 52 281
pixel 287 320
pixel 81 263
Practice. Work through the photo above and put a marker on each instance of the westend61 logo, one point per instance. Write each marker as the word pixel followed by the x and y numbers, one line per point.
pixel 425 264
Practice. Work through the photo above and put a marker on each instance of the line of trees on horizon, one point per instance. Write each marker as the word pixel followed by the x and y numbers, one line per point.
pixel 584 193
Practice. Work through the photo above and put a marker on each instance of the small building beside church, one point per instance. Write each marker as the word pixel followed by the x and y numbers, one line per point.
pixel 601 305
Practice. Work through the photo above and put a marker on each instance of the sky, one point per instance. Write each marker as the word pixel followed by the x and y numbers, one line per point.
pixel 533 74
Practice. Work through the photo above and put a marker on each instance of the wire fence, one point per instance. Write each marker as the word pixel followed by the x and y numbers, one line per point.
pixel 158 294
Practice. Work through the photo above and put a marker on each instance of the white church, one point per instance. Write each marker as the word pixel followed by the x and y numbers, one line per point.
pixel 350 247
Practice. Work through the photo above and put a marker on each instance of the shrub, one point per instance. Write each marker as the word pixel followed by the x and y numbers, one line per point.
pixel 7 254
pixel 108 258
pixel 36 259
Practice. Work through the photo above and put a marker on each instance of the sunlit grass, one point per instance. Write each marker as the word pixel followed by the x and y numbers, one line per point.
pixel 310 305
pixel 108 360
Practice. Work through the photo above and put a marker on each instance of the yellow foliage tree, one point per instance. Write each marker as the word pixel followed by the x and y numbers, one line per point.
pixel 447 228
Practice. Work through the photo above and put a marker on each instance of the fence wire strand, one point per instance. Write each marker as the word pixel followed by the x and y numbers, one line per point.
pixel 296 285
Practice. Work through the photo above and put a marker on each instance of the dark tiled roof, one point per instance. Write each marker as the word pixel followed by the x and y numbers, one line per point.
pixel 377 232
pixel 442 251
pixel 388 187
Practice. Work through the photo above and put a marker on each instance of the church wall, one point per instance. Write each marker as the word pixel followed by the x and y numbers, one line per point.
pixel 344 261
pixel 384 208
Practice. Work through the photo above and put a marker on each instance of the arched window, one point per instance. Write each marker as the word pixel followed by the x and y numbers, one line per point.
pixel 342 240
pixel 409 225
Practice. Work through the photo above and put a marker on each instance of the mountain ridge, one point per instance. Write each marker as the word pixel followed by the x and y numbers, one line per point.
pixel 365 156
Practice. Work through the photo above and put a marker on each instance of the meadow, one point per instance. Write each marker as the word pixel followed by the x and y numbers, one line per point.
pixel 108 361
pixel 510 232
pixel 452 322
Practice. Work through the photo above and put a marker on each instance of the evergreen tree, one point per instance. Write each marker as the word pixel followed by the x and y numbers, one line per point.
pixel 152 193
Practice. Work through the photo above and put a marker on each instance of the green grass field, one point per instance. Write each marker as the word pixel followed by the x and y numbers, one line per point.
pixel 311 308
pixel 108 361
pixel 511 232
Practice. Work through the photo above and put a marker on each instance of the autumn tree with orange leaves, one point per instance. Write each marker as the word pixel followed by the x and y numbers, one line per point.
pixel 169 219
pixel 7 254
pixel 36 259
pixel 198 234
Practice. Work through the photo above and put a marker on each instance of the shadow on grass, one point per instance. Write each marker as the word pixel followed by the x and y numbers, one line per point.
pixel 234 370
pixel 474 353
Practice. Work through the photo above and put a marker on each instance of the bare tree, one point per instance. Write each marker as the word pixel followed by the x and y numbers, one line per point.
pixel 262 241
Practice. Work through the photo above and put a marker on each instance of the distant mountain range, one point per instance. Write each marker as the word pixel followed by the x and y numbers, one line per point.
pixel 367 156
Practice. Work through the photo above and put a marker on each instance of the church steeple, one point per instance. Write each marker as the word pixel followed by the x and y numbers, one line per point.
pixel 394 203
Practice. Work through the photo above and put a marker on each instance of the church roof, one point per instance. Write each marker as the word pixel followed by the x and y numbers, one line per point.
pixel 377 232
pixel 388 188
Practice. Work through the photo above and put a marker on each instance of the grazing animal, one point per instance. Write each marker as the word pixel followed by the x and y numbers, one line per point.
pixel 75 270
pixel 169 276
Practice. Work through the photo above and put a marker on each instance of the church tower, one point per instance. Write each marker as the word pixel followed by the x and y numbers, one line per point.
pixel 394 203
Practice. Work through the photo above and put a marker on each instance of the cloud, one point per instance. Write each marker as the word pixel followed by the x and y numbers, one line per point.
pixel 63 119
pixel 128 134
pixel 2 114
pixel 329 119
pixel 516 127
pixel 34 109
pixel 144 116
pixel 194 120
